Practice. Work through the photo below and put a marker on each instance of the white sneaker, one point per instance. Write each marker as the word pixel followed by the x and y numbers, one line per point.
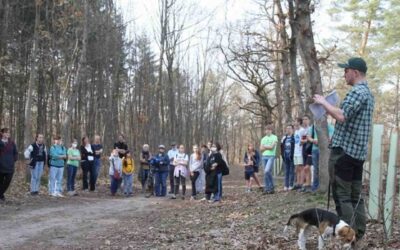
pixel 203 199
pixel 285 189
pixel 53 195
pixel 290 188
pixel 59 195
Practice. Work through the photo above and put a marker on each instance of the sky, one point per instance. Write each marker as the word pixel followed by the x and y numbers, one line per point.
pixel 141 17
pixel 142 14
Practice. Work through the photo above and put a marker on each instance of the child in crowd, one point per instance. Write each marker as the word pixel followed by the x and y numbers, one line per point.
pixel 251 160
pixel 74 157
pixel 181 162
pixel 115 171
pixel 128 167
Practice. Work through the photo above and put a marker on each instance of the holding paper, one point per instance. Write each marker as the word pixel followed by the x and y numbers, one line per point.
pixel 318 110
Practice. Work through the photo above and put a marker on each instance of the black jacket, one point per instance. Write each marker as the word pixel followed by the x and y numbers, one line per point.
pixel 8 156
pixel 214 158
pixel 85 153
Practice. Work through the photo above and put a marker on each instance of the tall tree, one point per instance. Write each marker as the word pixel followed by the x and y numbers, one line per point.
pixel 32 76
pixel 311 64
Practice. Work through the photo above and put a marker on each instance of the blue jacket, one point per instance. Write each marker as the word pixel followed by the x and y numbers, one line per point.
pixel 160 162
pixel 55 152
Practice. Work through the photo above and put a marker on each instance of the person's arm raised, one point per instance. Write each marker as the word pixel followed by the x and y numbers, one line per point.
pixel 335 112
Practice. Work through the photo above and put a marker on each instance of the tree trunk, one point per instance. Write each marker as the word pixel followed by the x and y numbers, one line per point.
pixel 79 77
pixel 293 60
pixel 32 77
pixel 307 45
pixel 285 65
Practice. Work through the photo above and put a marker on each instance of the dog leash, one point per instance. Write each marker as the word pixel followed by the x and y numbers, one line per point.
pixel 329 195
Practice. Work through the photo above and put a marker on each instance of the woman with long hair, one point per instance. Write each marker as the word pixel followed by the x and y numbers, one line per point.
pixel 251 161
pixel 88 168
pixel 195 166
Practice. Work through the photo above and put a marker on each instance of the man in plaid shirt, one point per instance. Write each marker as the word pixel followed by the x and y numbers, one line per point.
pixel 350 144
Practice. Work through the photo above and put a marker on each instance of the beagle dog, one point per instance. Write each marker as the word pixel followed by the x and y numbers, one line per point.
pixel 327 223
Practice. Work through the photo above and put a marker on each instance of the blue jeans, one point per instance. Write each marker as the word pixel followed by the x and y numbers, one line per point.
pixel 36 175
pixel 161 183
pixel 115 184
pixel 218 194
pixel 55 180
pixel 128 183
pixel 315 162
pixel 97 166
pixel 268 178
pixel 289 172
pixel 144 176
pixel 71 174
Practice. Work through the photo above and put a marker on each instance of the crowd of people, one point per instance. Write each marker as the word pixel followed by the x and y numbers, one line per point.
pixel 299 152
pixel 205 167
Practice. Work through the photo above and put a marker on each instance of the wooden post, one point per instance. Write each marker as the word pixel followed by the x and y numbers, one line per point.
pixel 376 171
pixel 390 196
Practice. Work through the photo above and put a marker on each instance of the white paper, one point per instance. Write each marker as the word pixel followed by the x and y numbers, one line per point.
pixel 318 110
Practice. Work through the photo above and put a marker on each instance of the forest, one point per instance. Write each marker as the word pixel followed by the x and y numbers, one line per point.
pixel 70 68
pixel 185 71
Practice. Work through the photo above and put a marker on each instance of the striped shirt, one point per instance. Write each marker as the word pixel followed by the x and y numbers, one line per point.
pixel 352 135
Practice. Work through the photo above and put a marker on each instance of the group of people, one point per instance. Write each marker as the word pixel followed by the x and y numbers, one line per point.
pixel 299 152
pixel 87 156
pixel 205 167
pixel 348 142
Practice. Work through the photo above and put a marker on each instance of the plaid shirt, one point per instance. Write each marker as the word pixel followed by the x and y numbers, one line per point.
pixel 352 135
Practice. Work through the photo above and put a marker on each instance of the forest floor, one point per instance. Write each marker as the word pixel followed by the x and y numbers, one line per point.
pixel 99 221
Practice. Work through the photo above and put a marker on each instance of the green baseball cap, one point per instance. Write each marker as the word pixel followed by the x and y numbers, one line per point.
pixel 356 63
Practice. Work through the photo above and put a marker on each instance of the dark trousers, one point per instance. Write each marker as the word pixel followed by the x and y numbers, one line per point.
pixel 115 184
pixel 346 179
pixel 5 180
pixel 193 180
pixel 171 178
pixel 182 181
pixel 88 168
pixel 144 175
pixel 71 174
pixel 97 169
pixel 161 183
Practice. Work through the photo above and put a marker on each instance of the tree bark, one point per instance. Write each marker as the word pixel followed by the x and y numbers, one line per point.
pixel 307 45
pixel 79 77
pixel 285 65
pixel 32 77
pixel 293 60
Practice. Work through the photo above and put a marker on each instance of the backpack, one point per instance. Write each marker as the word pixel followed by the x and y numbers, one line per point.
pixel 225 166
pixel 225 169
pixel 307 147
pixel 116 175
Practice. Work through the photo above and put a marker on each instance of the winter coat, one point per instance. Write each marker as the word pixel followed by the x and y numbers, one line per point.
pixel 8 156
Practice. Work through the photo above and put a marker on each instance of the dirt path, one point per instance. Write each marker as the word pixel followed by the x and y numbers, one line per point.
pixel 98 221
pixel 66 222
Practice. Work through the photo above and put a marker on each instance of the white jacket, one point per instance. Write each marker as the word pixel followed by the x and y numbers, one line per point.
pixel 117 165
